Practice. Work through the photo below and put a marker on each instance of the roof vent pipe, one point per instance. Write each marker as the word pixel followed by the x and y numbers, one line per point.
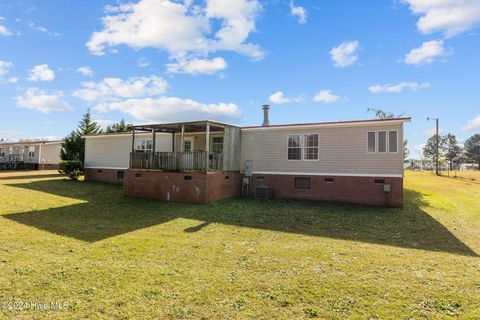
pixel 266 121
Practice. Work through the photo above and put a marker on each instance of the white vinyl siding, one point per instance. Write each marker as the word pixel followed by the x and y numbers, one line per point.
pixel 114 151
pixel 341 150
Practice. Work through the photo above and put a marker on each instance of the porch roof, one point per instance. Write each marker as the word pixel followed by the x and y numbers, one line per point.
pixel 190 126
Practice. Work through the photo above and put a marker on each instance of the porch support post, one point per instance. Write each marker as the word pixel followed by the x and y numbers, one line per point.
pixel 182 140
pixel 153 147
pixel 207 146
pixel 133 148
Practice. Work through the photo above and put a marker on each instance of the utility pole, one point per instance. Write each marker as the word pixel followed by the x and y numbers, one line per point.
pixel 437 142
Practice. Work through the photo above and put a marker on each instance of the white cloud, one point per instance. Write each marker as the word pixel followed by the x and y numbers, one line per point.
pixel 298 12
pixel 3 30
pixel 344 54
pixel 110 89
pixel 35 27
pixel 104 123
pixel 472 124
pixel 428 52
pixel 5 67
pixel 41 73
pixel 166 109
pixel 279 98
pixel 197 66
pixel 449 17
pixel 86 71
pixel 413 86
pixel 186 31
pixel 143 63
pixel 42 101
pixel 13 80
pixel 326 96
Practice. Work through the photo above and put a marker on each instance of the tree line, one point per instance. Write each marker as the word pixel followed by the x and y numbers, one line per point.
pixel 450 152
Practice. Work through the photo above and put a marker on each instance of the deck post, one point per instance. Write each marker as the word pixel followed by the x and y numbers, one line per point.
pixel 133 148
pixel 207 146
pixel 182 148
pixel 153 147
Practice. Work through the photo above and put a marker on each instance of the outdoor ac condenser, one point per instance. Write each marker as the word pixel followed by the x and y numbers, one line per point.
pixel 263 192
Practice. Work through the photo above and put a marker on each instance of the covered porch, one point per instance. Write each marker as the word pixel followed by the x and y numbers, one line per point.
pixel 198 146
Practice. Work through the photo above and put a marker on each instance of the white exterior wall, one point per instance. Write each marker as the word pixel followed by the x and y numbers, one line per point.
pixel 342 151
pixel 113 151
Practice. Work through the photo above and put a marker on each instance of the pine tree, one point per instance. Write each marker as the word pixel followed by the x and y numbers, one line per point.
pixel 451 149
pixel 121 126
pixel 429 150
pixel 73 146
pixel 472 149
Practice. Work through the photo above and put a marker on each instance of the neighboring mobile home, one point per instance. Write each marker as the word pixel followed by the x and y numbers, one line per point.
pixel 357 161
pixel 35 155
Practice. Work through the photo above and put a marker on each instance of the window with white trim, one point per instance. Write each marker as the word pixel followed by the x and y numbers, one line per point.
pixel 372 141
pixel 143 145
pixel 294 147
pixel 2 152
pixel 217 144
pixel 310 143
pixel 382 141
pixel 392 141
pixel 31 151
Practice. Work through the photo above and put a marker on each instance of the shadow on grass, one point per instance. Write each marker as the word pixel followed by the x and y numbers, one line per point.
pixel 106 213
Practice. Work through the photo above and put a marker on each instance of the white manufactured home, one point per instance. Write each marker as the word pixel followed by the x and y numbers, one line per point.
pixel 359 161
pixel 36 155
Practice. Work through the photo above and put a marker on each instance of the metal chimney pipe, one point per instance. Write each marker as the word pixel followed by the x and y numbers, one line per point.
pixel 266 121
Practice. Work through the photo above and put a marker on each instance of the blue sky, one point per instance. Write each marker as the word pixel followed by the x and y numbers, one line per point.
pixel 160 60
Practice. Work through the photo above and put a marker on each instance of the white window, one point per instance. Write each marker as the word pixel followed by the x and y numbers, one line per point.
pixel 31 151
pixel 2 152
pixel 382 141
pixel 294 147
pixel 217 144
pixel 310 151
pixel 392 141
pixel 143 145
pixel 372 137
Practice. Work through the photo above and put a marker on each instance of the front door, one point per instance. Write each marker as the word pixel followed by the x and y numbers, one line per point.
pixel 188 155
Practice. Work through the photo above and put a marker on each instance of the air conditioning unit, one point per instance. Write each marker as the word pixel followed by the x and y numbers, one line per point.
pixel 263 192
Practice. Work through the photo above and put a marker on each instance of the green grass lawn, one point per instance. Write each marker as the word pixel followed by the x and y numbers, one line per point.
pixel 112 257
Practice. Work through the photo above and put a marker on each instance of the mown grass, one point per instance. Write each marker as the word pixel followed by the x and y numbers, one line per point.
pixel 110 257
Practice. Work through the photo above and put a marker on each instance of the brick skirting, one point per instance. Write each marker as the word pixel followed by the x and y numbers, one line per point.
pixel 104 175
pixel 189 187
pixel 358 190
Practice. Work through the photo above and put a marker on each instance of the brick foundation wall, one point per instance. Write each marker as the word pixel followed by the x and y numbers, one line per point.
pixel 357 190
pixel 104 175
pixel 191 187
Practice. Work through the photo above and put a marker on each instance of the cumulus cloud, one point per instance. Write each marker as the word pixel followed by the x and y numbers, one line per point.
pixel 3 30
pixel 326 96
pixel 472 124
pixel 279 98
pixel 5 67
pixel 449 17
pixel 299 12
pixel 42 101
pixel 197 66
pixel 86 71
pixel 388 88
pixel 344 54
pixel 165 109
pixel 41 72
pixel 110 89
pixel 428 52
pixel 184 30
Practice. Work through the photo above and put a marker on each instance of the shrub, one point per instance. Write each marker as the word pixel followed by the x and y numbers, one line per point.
pixel 72 168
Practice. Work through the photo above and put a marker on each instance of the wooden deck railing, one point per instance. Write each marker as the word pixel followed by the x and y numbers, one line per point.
pixel 176 161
